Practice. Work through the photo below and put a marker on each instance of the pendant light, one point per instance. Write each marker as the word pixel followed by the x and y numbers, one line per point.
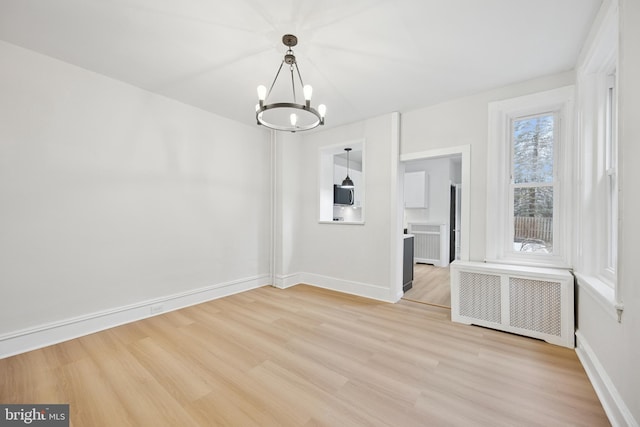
pixel 347 182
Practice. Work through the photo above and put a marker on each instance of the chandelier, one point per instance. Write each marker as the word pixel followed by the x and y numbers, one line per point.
pixel 289 116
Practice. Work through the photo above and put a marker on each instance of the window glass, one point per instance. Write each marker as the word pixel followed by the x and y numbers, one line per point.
pixel 533 149
pixel 533 219
pixel 532 187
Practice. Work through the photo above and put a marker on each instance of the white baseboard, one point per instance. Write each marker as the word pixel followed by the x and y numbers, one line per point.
pixel 55 332
pixel 284 281
pixel 365 290
pixel 615 408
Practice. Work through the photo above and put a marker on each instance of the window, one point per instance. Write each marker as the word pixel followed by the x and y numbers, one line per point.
pixel 598 231
pixel 596 242
pixel 529 179
pixel 532 183
pixel 611 197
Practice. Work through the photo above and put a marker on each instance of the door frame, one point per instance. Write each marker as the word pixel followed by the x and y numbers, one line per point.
pixel 465 152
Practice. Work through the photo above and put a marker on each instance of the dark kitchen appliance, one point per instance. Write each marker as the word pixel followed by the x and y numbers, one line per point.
pixel 342 196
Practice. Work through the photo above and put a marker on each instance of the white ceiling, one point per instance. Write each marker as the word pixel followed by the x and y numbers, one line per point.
pixel 363 57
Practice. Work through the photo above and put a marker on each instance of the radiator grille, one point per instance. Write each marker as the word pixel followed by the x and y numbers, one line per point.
pixel 480 296
pixel 427 246
pixel 535 305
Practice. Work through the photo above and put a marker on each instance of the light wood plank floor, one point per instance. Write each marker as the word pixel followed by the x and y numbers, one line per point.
pixel 305 357
pixel 430 285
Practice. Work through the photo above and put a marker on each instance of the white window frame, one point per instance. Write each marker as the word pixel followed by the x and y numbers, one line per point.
pixel 610 268
pixel 500 222
pixel 596 243
pixel 512 186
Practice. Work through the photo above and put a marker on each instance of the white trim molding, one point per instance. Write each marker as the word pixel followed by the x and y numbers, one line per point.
pixel 615 408
pixel 396 213
pixel 465 220
pixel 602 293
pixel 284 281
pixel 56 332
pixel 365 290
pixel 500 249
pixel 597 164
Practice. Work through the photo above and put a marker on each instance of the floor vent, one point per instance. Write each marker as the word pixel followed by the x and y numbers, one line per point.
pixel 535 302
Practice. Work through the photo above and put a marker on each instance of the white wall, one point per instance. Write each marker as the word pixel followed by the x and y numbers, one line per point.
pixel 358 258
pixel 354 258
pixel 612 349
pixel 464 122
pixel 111 195
pixel 288 195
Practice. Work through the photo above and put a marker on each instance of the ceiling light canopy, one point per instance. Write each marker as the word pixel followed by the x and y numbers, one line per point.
pixel 289 116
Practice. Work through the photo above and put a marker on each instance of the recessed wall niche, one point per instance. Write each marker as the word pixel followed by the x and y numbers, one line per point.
pixel 339 205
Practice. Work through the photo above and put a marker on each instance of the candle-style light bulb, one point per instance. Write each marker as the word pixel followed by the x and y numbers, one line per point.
pixel 322 109
pixel 294 119
pixel 308 91
pixel 262 92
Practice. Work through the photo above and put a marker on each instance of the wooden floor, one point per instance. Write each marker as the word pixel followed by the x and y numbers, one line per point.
pixel 430 285
pixel 305 357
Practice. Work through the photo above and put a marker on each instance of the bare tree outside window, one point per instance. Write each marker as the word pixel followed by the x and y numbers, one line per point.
pixel 532 183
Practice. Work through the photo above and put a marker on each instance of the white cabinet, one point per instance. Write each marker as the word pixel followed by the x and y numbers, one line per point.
pixel 416 190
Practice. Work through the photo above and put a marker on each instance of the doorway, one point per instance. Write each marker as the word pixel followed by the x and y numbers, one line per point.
pixel 446 209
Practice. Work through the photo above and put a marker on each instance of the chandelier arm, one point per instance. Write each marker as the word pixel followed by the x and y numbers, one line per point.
pixel 299 75
pixel 274 80
pixel 293 86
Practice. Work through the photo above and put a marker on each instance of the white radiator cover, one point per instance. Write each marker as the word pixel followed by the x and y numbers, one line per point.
pixel 431 243
pixel 530 301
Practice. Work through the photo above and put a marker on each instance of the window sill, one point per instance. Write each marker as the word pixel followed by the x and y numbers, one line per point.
pixel 604 294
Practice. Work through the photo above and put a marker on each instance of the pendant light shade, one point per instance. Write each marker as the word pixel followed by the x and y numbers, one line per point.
pixel 347 182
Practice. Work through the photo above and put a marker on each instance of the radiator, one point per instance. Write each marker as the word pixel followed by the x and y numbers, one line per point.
pixel 431 243
pixel 530 301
